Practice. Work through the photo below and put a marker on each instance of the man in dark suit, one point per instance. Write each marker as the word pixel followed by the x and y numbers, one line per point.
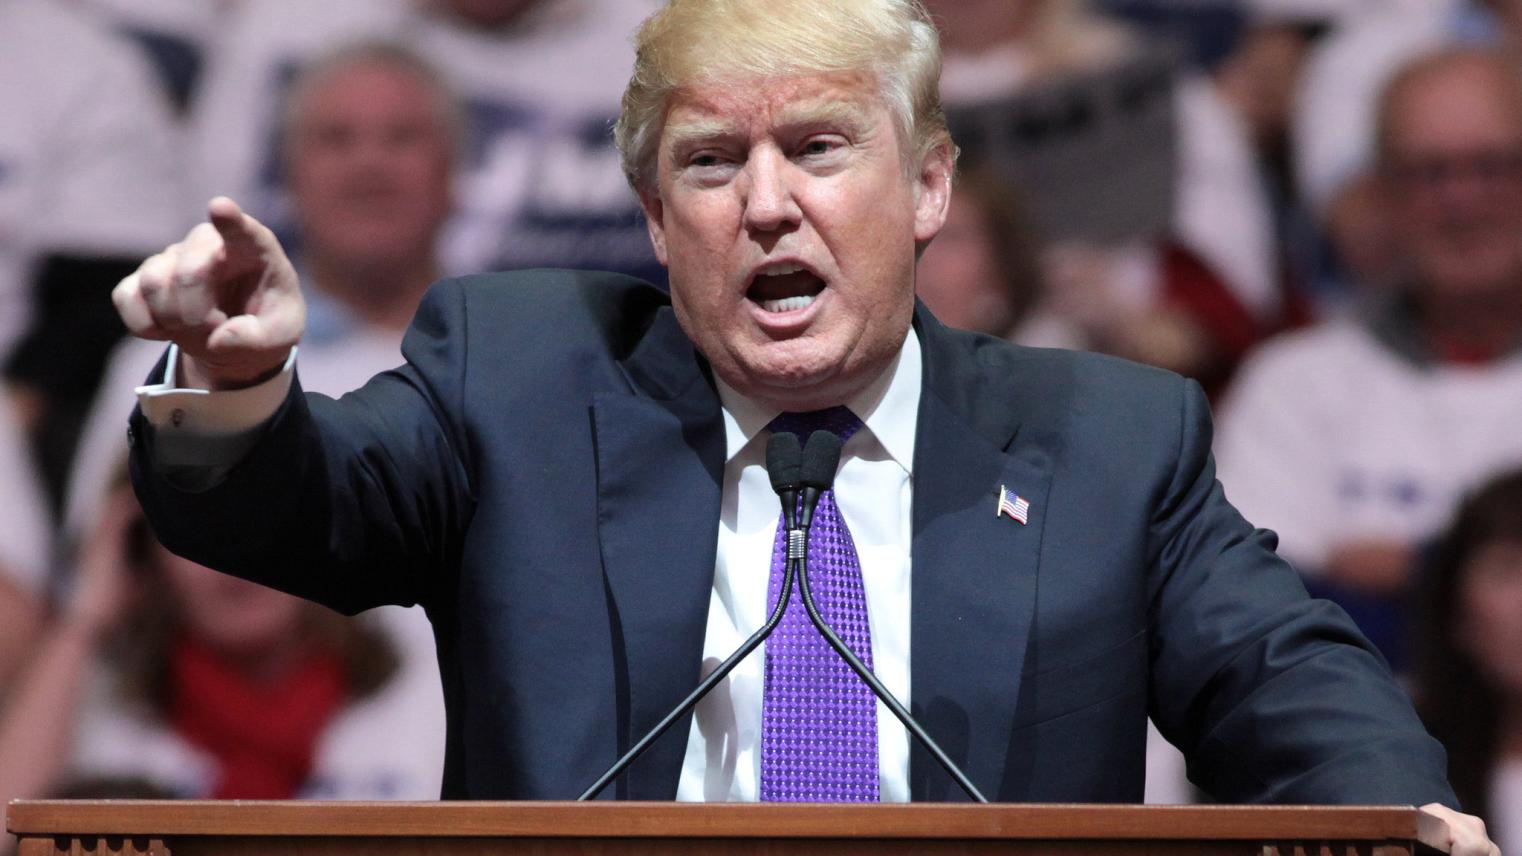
pixel 565 474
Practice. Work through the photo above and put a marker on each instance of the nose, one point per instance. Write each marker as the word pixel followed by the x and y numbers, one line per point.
pixel 770 205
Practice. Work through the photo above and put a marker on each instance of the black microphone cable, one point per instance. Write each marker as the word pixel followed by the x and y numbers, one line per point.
pixel 812 470
pixel 782 467
pixel 821 455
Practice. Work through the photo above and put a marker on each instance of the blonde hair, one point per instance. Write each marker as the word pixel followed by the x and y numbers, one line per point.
pixel 690 42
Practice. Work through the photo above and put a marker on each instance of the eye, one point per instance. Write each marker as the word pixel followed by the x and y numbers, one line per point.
pixel 819 146
pixel 708 166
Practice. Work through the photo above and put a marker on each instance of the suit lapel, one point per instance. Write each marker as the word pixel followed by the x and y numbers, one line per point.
pixel 974 573
pixel 660 461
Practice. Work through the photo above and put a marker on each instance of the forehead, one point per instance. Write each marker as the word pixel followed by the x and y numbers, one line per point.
pixel 364 88
pixel 754 106
pixel 1461 104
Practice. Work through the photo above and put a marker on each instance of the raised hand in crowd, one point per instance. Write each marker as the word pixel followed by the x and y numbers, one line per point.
pixel 37 728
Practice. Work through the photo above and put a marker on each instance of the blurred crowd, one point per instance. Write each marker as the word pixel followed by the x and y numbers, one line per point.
pixel 1312 207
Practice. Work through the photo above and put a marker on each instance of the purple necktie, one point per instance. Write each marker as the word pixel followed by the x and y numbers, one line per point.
pixel 819 721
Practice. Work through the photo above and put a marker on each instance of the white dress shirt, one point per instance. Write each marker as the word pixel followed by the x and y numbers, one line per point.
pixel 873 492
pixel 873 489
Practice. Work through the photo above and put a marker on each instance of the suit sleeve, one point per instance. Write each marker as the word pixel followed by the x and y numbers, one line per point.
pixel 1272 696
pixel 352 503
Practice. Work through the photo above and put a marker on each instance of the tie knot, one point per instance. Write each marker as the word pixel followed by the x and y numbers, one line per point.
pixel 839 420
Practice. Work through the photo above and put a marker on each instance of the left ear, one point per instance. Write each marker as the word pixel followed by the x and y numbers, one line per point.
pixel 650 201
pixel 932 192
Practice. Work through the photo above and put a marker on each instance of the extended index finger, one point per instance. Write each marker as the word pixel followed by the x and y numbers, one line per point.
pixel 236 228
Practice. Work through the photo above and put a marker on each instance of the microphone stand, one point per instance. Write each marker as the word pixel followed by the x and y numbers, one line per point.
pixel 820 456
pixel 817 475
pixel 703 689
pixel 782 463
pixel 887 698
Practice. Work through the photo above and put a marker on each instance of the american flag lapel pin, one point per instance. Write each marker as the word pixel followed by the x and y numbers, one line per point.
pixel 1013 504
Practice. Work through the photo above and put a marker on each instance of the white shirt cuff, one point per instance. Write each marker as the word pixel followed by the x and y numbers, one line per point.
pixel 206 428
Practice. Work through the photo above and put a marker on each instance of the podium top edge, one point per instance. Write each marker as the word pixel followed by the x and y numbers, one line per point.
pixel 707 820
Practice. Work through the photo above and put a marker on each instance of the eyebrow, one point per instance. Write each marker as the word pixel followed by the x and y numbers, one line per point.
pixel 694 131
pixel 700 130
pixel 846 113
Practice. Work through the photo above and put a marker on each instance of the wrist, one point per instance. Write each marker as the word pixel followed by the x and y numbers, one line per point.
pixel 194 373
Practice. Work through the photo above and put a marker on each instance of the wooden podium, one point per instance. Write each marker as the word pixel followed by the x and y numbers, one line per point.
pixel 128 828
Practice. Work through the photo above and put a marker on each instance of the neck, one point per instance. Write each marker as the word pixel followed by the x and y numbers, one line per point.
pixel 383 295
pixel 1489 322
pixel 266 662
pixel 1511 729
pixel 840 391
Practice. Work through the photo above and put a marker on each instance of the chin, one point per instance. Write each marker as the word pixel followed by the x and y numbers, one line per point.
pixel 1475 282
pixel 794 363
pixel 781 384
pixel 799 386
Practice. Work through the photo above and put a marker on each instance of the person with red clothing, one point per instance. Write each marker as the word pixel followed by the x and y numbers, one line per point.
pixel 162 677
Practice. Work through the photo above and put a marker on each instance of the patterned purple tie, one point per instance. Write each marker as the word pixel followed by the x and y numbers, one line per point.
pixel 819 721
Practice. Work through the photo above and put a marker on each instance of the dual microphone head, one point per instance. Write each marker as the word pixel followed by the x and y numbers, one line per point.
pixel 809 468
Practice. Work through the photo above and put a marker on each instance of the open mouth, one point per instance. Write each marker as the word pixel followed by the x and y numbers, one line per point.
pixel 784 287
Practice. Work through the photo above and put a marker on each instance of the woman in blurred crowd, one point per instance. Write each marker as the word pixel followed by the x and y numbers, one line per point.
pixel 1469 655
pixel 983 271
pixel 163 673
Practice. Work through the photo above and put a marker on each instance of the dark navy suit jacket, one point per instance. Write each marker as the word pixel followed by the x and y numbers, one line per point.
pixel 544 477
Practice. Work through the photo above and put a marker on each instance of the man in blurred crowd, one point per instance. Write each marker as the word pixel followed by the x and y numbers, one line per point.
pixel 538 81
pixel 370 137
pixel 1354 441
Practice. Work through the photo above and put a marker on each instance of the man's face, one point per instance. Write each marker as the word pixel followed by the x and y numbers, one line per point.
pixel 789 223
pixel 1454 170
pixel 369 164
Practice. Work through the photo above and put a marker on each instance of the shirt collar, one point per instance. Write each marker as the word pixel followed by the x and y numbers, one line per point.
pixel 889 407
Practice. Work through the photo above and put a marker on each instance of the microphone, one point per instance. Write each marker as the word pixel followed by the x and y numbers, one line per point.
pixel 816 470
pixel 821 454
pixel 784 468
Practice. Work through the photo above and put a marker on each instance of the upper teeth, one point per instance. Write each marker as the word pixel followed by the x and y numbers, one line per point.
pixel 780 268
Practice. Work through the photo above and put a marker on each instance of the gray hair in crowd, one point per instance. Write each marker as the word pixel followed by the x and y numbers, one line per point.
pixel 386 54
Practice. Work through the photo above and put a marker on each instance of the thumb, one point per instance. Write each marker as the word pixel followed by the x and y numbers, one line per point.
pixel 239 334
